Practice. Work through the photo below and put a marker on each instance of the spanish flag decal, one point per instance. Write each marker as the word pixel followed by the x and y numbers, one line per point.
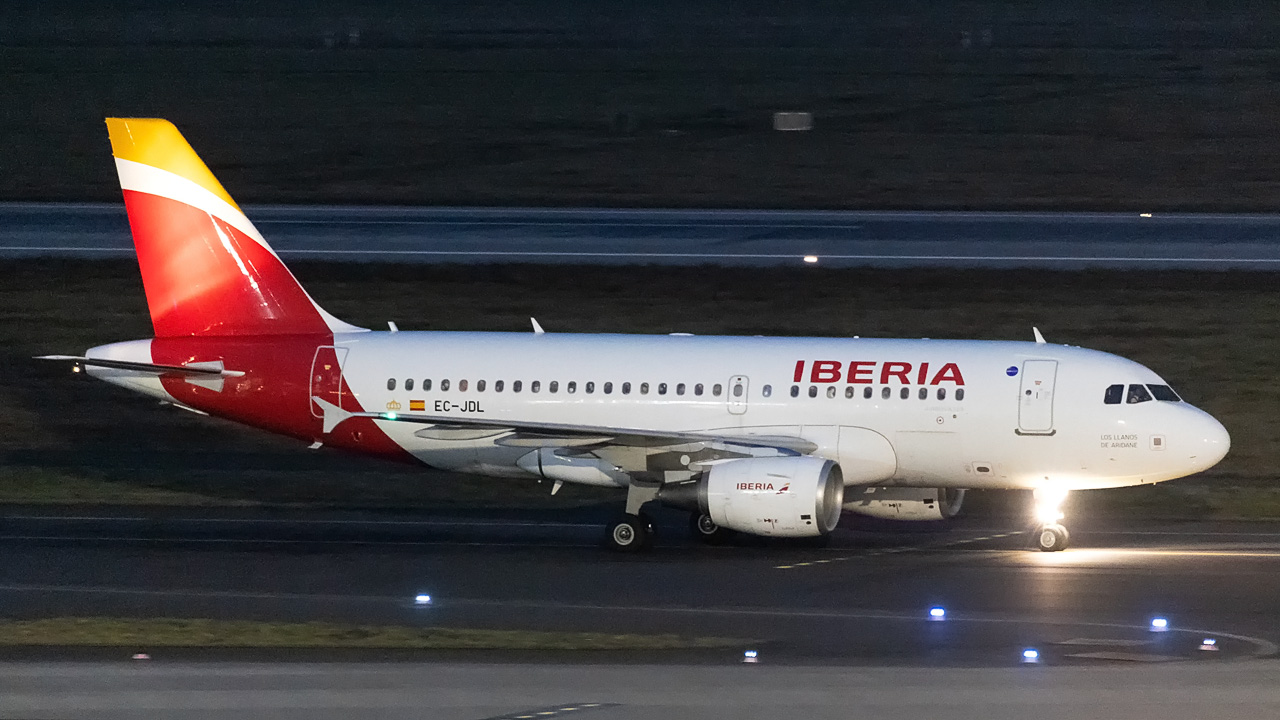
pixel 417 405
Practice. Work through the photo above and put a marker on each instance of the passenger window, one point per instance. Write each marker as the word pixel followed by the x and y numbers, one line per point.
pixel 535 386
pixel 497 385
pixel 590 387
pixel 572 387
pixel 737 390
pixel 679 388
pixel 1137 394
pixel 715 390
pixel 831 391
pixel 924 393
pixel 626 388
pixel 444 385
pixel 866 392
pixel 391 383
pixel 608 388
pixel 959 393
pixel 515 385
pixel 554 386
pixel 462 386
pixel 942 393
pixel 813 391
pixel 662 388
pixel 766 391
pixel 408 384
pixel 1113 395
pixel 479 386
pixel 1164 393
pixel 886 392
pixel 848 392
pixel 697 389
pixel 795 391
pixel 905 393
pixel 426 385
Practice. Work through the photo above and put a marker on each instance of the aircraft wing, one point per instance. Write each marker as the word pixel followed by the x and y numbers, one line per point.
pixel 587 438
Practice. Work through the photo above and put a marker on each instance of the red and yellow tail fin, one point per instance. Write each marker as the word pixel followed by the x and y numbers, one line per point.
pixel 205 268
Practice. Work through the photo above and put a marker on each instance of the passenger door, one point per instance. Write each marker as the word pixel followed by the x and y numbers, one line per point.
pixel 326 377
pixel 1035 401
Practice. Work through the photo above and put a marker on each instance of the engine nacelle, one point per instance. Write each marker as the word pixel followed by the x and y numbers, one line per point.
pixel 776 496
pixel 901 503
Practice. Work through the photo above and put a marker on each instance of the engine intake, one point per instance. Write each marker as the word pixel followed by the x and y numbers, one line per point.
pixel 779 496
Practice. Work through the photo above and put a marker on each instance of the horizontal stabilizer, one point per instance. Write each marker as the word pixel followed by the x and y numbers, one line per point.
pixel 202 369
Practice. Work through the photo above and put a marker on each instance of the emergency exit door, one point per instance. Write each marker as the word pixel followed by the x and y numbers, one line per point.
pixel 1035 401
pixel 737 395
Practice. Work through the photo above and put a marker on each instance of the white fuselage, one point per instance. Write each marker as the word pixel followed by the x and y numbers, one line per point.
pixel 927 413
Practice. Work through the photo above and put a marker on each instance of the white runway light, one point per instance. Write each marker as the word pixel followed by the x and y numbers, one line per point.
pixel 811 259
pixel 1159 624
pixel 141 656
pixel 422 600
pixel 1031 655
pixel 1209 645
pixel 751 656
pixel 937 613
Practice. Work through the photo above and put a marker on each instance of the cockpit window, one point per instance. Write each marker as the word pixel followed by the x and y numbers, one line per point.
pixel 1137 394
pixel 1164 392
pixel 1114 394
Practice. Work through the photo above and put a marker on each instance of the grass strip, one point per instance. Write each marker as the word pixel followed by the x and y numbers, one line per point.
pixel 205 633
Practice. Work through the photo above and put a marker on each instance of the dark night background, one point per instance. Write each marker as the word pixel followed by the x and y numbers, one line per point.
pixel 994 105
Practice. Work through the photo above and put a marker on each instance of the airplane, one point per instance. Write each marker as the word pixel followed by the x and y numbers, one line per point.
pixel 765 436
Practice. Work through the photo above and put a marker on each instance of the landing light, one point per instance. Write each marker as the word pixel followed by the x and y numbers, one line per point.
pixel 937 613
pixel 751 656
pixel 1030 655
pixel 422 599
pixel 1159 624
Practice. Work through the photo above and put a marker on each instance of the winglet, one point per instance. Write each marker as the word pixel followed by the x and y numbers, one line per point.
pixel 537 329
pixel 1039 337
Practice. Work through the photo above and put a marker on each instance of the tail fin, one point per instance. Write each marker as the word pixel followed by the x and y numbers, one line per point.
pixel 205 268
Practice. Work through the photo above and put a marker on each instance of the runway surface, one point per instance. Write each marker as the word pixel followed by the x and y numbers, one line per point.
pixel 862 601
pixel 838 629
pixel 693 237
pixel 454 691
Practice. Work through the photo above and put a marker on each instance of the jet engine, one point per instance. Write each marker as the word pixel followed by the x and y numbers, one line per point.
pixel 776 496
pixel 903 503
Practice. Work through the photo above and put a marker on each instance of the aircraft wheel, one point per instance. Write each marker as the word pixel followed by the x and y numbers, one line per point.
pixel 705 529
pixel 1052 538
pixel 630 533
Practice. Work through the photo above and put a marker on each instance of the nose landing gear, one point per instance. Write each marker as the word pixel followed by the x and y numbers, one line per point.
pixel 1049 534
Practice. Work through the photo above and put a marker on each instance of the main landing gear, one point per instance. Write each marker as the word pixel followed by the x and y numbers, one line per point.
pixel 633 531
pixel 703 528
pixel 1049 535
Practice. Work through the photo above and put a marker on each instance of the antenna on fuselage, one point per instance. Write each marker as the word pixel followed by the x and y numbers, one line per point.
pixel 1039 337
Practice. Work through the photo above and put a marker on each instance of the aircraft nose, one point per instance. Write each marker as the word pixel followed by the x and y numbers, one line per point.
pixel 1210 442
